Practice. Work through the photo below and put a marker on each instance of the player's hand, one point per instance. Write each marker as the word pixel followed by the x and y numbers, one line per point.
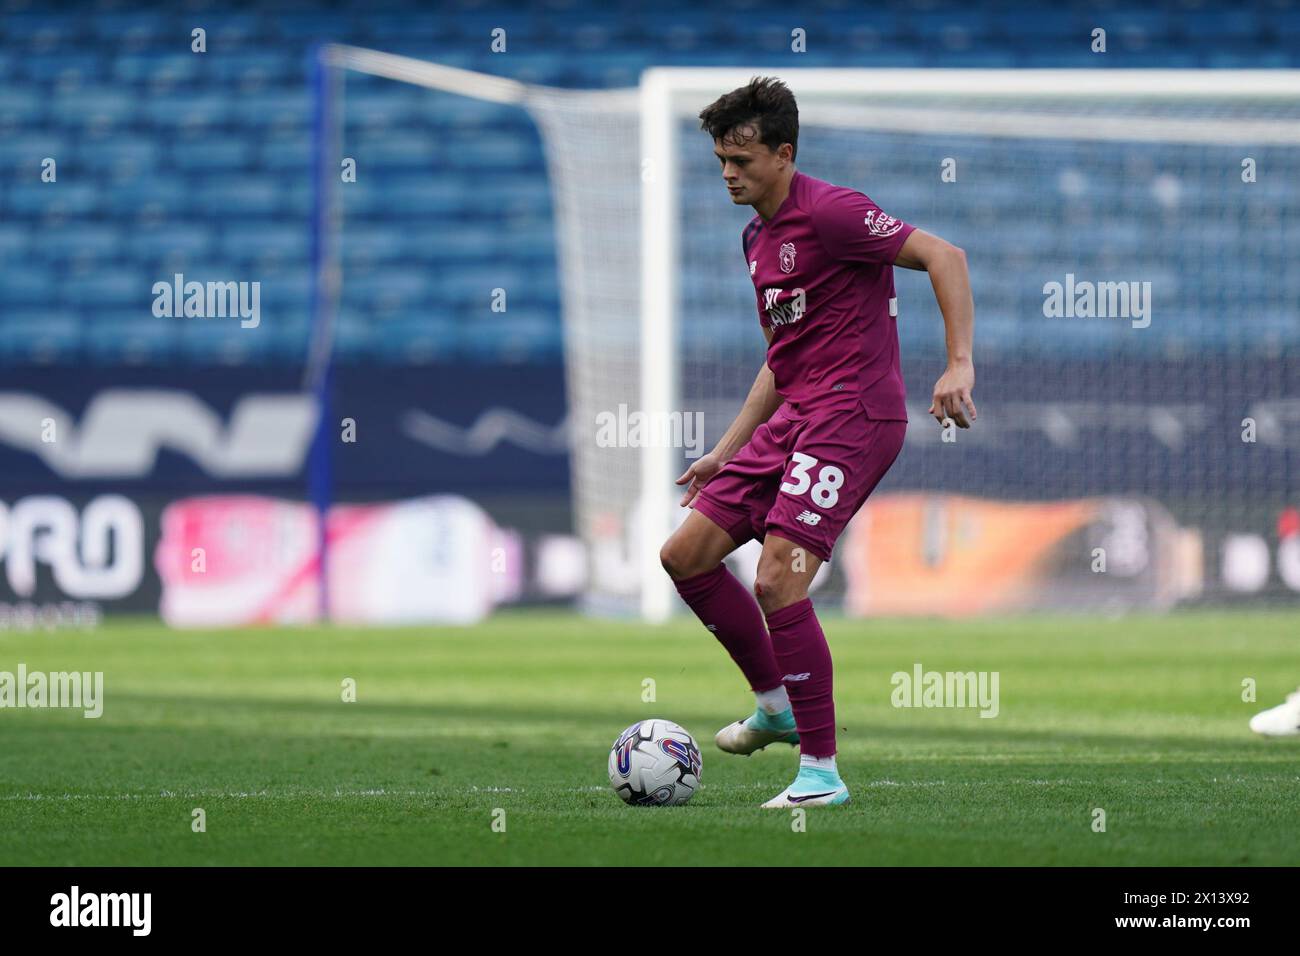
pixel 952 394
pixel 701 470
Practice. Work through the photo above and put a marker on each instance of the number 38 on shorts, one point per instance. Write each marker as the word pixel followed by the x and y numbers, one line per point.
pixel 782 481
pixel 821 482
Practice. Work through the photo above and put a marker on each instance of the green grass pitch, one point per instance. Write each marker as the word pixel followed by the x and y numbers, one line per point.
pixel 1140 716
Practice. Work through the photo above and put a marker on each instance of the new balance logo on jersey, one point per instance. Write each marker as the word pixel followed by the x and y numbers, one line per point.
pixel 753 266
pixel 878 224
pixel 809 518
pixel 784 313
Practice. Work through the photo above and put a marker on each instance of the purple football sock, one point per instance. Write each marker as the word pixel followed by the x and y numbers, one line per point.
pixel 805 660
pixel 728 609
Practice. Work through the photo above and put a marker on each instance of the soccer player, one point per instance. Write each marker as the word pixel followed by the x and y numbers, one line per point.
pixel 822 424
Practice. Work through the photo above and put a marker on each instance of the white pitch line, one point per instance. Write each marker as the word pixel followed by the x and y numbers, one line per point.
pixel 296 794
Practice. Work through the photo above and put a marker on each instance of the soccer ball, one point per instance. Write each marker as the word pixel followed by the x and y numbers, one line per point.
pixel 655 763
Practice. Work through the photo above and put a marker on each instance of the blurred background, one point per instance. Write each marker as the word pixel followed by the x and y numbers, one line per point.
pixel 163 463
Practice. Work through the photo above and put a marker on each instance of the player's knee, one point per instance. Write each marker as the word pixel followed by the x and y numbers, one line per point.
pixel 668 558
pixel 676 559
pixel 776 587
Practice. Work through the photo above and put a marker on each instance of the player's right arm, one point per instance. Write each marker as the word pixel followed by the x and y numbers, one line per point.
pixel 762 403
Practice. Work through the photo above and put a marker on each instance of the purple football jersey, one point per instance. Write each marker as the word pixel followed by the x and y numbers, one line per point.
pixel 824 278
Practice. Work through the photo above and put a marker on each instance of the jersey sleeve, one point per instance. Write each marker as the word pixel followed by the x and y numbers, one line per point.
pixel 852 228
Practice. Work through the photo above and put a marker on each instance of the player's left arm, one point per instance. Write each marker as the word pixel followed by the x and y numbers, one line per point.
pixel 946 265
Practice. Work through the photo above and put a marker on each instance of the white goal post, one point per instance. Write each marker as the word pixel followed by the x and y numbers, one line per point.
pixel 627 215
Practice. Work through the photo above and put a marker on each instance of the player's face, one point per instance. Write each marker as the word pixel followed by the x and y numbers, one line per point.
pixel 749 168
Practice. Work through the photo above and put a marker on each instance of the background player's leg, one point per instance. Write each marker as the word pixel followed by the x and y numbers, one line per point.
pixel 692 556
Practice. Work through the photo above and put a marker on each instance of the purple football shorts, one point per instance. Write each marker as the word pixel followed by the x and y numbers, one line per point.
pixel 802 479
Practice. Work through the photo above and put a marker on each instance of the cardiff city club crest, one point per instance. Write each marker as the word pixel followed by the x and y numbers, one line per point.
pixel 787 257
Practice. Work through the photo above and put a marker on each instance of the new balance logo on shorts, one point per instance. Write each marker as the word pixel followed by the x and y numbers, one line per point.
pixel 803 676
pixel 809 518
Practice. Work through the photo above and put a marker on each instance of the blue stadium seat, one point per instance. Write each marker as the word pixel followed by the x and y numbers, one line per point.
pixel 974 59
pixel 286 290
pixel 21 107
pixel 1248 57
pixel 527 244
pixel 474 27
pixel 496 150
pixel 223 341
pixel 124 157
pixel 285 151
pixel 151 199
pixel 28 283
pixel 470 288
pixel 395 109
pixel 885 57
pixel 362 242
pixel 81 238
pixel 243 196
pixel 233 31
pixel 244 241
pixel 431 200
pixel 211 153
pixel 542 283
pixel 285 108
pixel 391 292
pixel 939 26
pixel 26 150
pixel 130 338
pixel 383 28
pixel 44 30
pixel 186 109
pixel 296 199
pixel 248 69
pixel 134 27
pixel 181 66
pixel 618 68
pixel 35 198
pixel 402 150
pixel 526 336
pixel 40 337
pixel 415 340
pixel 94 107
pixel 108 290
pixel 367 197
pixel 316 25
pixel 15 238
pixel 191 240
pixel 1152 23
pixel 286 334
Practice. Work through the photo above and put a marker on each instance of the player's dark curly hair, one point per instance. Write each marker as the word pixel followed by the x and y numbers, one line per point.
pixel 765 102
